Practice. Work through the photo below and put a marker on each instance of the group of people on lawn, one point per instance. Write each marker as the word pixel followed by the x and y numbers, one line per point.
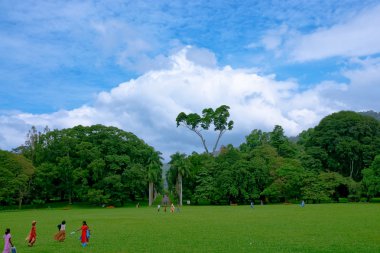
pixel 32 236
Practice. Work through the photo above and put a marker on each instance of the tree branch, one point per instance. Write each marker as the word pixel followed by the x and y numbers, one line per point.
pixel 198 132
pixel 217 140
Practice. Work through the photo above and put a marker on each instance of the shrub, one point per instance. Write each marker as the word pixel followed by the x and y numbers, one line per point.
pixel 343 200
pixel 375 200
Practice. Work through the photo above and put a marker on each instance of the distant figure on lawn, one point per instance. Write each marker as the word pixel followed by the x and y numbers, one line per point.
pixel 302 203
pixel 61 235
pixel 158 208
pixel 252 204
pixel 85 236
pixel 7 241
pixel 172 208
pixel 32 235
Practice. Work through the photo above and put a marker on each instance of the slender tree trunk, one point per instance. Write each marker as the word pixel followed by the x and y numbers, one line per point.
pixel 150 193
pixel 200 136
pixel 70 197
pixel 203 142
pixel 217 141
pixel 21 196
pixel 180 188
pixel 352 168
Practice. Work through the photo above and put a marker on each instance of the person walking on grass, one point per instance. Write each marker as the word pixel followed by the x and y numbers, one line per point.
pixel 85 236
pixel 32 235
pixel 7 241
pixel 61 235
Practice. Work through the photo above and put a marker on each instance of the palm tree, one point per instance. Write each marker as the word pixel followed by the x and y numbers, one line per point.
pixel 180 167
pixel 154 172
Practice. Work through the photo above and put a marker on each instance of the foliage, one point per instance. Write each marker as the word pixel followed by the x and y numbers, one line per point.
pixel 197 123
pixel 345 142
pixel 16 173
pixel 371 178
pixel 334 161
pixel 269 167
pixel 95 164
pixel 179 169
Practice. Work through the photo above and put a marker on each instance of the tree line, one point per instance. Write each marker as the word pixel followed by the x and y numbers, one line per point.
pixel 339 158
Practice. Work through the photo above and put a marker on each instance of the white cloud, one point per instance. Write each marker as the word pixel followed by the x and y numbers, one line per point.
pixel 148 105
pixel 358 36
pixel 273 39
pixel 364 89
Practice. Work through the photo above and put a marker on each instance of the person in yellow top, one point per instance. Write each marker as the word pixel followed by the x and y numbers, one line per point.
pixel 172 208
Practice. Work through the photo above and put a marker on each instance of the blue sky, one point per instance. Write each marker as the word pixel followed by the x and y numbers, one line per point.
pixel 64 63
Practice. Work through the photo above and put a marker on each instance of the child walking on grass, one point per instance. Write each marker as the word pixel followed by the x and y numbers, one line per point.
pixel 61 235
pixel 32 235
pixel 7 241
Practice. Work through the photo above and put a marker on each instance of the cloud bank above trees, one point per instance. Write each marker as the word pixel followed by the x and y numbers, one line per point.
pixel 149 104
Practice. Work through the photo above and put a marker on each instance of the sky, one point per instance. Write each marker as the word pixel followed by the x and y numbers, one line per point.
pixel 137 64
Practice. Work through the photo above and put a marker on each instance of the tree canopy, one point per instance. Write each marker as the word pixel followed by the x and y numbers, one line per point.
pixel 196 123
pixel 16 173
pixel 98 164
pixel 345 142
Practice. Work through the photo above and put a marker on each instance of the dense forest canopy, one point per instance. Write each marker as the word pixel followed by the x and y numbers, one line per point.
pixel 345 142
pixel 97 164
pixel 339 158
pixel 15 174
pixel 327 163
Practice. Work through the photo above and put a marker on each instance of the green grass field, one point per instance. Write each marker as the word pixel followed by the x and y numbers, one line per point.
pixel 269 228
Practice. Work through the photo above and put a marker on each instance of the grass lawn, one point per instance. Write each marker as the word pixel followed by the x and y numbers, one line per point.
pixel 270 228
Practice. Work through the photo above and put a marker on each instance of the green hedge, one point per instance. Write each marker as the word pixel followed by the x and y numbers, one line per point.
pixel 375 200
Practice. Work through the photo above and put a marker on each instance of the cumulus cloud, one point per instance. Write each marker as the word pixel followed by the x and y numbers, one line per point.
pixel 364 89
pixel 357 36
pixel 274 38
pixel 149 104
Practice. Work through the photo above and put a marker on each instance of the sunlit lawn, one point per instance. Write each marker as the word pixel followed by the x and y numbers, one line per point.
pixel 269 228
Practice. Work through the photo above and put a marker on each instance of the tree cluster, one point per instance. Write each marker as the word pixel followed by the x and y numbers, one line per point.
pixel 96 164
pixel 339 158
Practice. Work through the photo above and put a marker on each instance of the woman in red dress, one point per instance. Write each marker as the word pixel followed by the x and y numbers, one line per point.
pixel 84 238
pixel 32 235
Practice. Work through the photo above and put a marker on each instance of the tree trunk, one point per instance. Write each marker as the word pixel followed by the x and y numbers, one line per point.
pixel 20 200
pixel 217 141
pixel 203 142
pixel 70 200
pixel 352 168
pixel 150 193
pixel 180 188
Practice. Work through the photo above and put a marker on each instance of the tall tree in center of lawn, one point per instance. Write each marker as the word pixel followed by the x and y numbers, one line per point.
pixel 197 123
pixel 154 172
pixel 180 167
